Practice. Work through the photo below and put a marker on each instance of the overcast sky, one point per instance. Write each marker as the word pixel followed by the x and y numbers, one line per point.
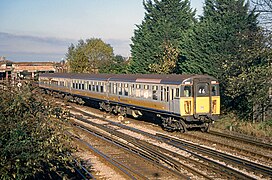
pixel 42 30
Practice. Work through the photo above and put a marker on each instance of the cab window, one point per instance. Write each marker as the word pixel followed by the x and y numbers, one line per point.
pixel 202 89
pixel 187 91
pixel 215 90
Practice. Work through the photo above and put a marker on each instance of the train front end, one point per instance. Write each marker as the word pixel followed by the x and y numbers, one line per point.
pixel 200 101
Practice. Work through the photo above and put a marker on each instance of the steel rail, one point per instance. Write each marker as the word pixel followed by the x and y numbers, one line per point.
pixel 230 170
pixel 234 160
pixel 242 139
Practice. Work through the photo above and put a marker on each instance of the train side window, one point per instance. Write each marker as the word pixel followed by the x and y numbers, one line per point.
pixel 132 90
pixel 162 94
pixel 146 91
pixel 114 88
pixel 166 93
pixel 102 87
pixel 110 86
pixel 155 92
pixel 177 93
pixel 187 91
pixel 93 87
pixel 138 90
pixel 120 88
pixel 126 89
pixel 96 87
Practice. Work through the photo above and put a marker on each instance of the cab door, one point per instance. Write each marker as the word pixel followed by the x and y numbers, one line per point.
pixel 202 97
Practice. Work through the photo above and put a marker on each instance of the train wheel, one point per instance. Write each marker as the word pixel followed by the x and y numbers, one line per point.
pixel 206 127
pixel 170 124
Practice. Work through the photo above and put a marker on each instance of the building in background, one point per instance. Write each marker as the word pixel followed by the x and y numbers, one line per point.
pixel 28 70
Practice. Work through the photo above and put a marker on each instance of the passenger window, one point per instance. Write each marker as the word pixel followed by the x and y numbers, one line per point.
pixel 187 91
pixel 162 94
pixel 155 92
pixel 166 93
pixel 138 90
pixel 102 87
pixel 126 89
pixel 114 88
pixel 177 92
pixel 93 87
pixel 146 91
pixel 97 87
pixel 132 90
pixel 120 88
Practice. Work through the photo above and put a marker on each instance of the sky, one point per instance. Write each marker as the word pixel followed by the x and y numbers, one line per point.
pixel 42 30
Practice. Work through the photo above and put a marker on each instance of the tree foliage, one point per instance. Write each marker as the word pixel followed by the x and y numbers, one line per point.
pixel 32 143
pixel 90 56
pixel 227 42
pixel 210 45
pixel 164 23
pixel 248 78
pixel 168 62
pixel 117 66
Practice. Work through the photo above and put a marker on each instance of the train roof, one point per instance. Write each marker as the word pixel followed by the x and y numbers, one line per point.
pixel 140 78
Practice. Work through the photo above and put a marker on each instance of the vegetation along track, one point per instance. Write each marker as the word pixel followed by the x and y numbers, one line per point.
pixel 214 169
pixel 132 162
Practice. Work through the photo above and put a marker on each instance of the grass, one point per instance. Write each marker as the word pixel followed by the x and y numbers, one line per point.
pixel 257 129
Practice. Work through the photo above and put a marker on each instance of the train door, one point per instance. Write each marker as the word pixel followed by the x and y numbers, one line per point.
pixel 174 100
pixel 202 96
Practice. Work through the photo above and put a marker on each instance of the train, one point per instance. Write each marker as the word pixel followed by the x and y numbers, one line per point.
pixel 181 102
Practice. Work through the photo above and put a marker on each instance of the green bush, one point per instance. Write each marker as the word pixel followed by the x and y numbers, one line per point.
pixel 32 142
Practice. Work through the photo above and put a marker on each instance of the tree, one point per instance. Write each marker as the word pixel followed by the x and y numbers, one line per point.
pixel 210 45
pixel 90 56
pixel 165 22
pixel 117 66
pixel 228 44
pixel 248 88
pixel 168 62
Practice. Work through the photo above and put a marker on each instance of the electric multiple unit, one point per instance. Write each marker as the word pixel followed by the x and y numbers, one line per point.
pixel 181 101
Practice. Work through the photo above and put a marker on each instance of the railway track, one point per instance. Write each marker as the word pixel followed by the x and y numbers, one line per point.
pixel 133 162
pixel 242 163
pixel 258 154
pixel 258 169
pixel 81 170
pixel 244 139
pixel 214 164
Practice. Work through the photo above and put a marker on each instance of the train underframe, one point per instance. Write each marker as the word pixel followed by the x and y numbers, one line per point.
pixel 168 122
